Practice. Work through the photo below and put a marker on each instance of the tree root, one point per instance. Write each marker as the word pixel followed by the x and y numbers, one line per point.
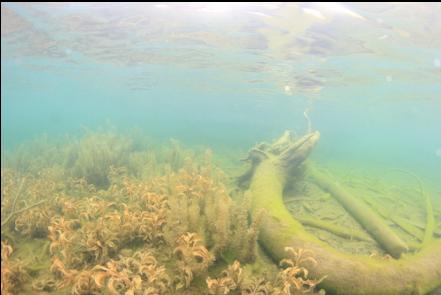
pixel 370 221
pixel 347 273
pixel 400 222
pixel 335 229
pixel 430 222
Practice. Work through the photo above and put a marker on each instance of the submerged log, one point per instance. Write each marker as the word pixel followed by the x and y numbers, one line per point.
pixel 346 273
pixel 370 221
pixel 402 223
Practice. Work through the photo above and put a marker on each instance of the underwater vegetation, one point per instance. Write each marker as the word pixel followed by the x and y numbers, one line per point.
pixel 168 224
pixel 168 220
pixel 13 273
pixel 292 278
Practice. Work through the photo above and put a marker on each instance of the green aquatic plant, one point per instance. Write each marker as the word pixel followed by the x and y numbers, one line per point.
pixel 243 240
pixel 199 203
pixel 145 165
pixel 92 156
pixel 33 156
pixel 176 156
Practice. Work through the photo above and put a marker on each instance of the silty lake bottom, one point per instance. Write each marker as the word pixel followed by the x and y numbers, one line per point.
pixel 220 148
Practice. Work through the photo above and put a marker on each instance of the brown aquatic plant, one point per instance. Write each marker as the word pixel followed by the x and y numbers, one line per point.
pixel 6 272
pixel 13 273
pixel 229 280
pixel 192 257
pixel 27 223
pixel 293 278
pixel 45 285
pixel 258 286
pixel 133 275
pixel 298 257
pixel 33 222
pixel 60 234
pixel 91 233
pixel 61 272
pixel 85 284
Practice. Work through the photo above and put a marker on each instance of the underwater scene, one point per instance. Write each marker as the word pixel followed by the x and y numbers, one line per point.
pixel 221 148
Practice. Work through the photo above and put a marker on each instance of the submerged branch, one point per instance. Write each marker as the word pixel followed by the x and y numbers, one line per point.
pixel 430 222
pixel 17 195
pixel 400 222
pixel 370 220
pixel 335 229
pixel 22 210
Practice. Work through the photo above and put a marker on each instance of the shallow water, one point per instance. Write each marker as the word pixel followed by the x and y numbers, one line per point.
pixel 89 86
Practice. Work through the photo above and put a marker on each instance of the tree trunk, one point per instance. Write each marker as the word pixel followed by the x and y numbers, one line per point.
pixel 346 273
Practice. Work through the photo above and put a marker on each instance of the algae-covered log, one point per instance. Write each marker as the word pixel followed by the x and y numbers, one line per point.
pixel 362 213
pixel 347 274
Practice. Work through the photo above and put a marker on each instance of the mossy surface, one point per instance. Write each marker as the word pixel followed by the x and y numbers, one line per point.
pixel 347 274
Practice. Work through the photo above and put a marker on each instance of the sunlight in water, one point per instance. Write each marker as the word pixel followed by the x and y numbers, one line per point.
pixel 338 8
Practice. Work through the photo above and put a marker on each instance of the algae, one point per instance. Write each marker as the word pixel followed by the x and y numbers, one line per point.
pixel 347 274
